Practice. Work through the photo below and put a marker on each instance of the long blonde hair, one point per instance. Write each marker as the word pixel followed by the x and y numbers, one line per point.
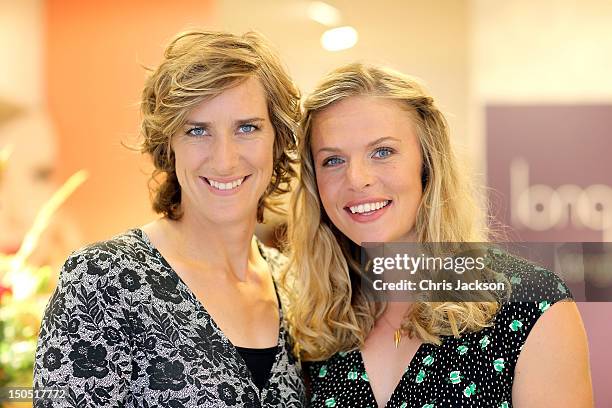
pixel 329 312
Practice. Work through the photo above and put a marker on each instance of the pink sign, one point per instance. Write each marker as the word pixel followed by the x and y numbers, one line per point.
pixel 550 175
pixel 550 169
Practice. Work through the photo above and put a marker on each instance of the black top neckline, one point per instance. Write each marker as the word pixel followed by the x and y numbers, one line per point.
pixel 264 350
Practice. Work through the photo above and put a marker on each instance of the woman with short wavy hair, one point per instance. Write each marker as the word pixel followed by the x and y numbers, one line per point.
pixel 377 166
pixel 184 312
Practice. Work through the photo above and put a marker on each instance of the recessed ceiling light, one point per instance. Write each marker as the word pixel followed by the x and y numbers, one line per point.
pixel 323 13
pixel 341 38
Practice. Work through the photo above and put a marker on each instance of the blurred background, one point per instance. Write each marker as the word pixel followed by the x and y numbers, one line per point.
pixel 526 87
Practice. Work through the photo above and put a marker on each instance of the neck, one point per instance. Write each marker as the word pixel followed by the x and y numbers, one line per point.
pixel 395 312
pixel 221 247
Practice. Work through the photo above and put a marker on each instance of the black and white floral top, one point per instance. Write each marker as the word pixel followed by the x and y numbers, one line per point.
pixel 123 330
pixel 474 370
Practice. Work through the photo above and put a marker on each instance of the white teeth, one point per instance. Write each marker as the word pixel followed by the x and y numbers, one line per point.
pixel 364 208
pixel 226 186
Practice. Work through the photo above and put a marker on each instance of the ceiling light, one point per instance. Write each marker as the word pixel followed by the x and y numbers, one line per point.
pixel 341 38
pixel 323 13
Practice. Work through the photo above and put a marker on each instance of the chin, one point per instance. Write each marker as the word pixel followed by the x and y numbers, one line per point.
pixel 361 238
pixel 228 217
pixel 378 236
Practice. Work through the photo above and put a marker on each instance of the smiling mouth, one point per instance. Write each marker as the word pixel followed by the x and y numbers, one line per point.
pixel 225 186
pixel 368 208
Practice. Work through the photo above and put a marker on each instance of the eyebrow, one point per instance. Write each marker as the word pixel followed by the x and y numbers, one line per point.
pixel 248 120
pixel 383 139
pixel 236 122
pixel 374 143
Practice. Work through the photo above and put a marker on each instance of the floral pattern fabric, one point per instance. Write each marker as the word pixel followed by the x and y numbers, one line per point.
pixel 474 370
pixel 123 330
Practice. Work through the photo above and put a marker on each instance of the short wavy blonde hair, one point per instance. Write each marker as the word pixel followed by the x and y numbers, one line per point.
pixel 329 310
pixel 199 65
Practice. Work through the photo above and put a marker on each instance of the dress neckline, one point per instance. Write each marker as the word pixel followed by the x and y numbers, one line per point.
pixel 405 376
pixel 236 354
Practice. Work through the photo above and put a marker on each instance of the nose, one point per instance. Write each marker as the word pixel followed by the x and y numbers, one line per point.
pixel 226 155
pixel 359 175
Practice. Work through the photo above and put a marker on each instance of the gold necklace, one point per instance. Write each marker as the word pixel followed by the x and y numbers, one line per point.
pixel 397 333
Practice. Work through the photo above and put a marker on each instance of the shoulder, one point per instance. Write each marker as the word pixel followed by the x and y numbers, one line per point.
pixel 105 258
pixel 528 281
pixel 122 245
pixel 96 277
pixel 533 291
pixel 553 366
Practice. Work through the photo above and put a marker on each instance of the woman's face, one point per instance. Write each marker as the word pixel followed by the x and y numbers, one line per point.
pixel 224 154
pixel 368 165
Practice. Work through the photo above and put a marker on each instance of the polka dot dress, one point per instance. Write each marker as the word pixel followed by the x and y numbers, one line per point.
pixel 475 370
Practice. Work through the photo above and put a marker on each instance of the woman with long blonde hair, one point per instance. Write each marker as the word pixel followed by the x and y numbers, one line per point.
pixel 377 166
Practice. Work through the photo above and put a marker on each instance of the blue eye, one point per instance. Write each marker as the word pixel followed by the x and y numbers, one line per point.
pixel 196 131
pixel 332 162
pixel 383 152
pixel 247 128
